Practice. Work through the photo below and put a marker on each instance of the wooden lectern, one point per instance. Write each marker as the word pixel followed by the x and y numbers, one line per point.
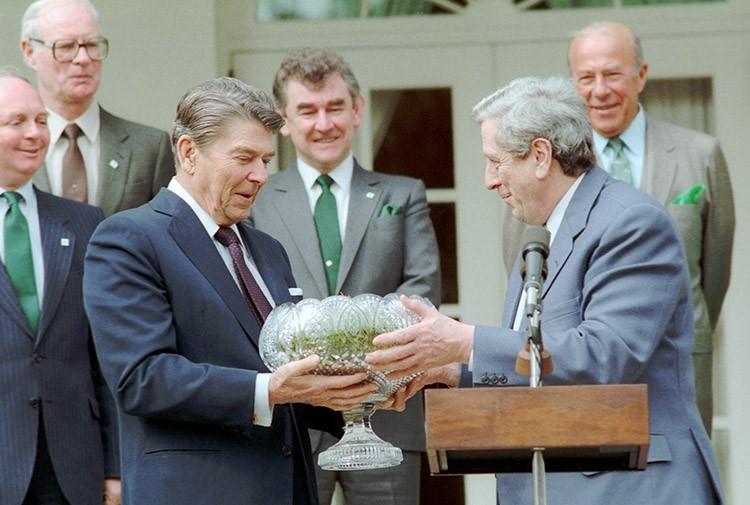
pixel 495 429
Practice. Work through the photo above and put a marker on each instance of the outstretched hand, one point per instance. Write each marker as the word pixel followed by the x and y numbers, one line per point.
pixel 294 383
pixel 435 341
pixel 448 375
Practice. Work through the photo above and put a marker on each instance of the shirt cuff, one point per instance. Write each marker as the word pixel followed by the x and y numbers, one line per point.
pixel 471 361
pixel 263 413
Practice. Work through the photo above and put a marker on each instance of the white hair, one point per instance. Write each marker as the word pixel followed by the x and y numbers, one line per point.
pixel 30 20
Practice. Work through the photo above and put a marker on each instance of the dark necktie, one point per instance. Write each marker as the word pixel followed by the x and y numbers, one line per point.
pixel 327 225
pixel 619 168
pixel 250 288
pixel 74 185
pixel 18 259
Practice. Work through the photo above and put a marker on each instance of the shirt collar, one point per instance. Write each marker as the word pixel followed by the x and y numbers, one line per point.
pixel 26 191
pixel 555 218
pixel 88 122
pixel 634 136
pixel 204 217
pixel 341 175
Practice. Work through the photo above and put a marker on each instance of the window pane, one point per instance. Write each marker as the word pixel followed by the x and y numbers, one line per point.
pixel 444 219
pixel 414 134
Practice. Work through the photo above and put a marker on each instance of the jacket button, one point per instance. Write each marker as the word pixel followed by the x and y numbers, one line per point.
pixel 34 402
pixel 485 378
pixel 286 450
pixel 494 379
pixel 35 358
pixel 503 379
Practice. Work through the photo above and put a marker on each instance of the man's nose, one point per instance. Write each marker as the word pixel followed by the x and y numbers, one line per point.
pixel 600 86
pixel 323 121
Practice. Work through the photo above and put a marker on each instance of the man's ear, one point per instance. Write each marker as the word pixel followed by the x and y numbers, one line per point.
pixel 359 110
pixel 29 56
pixel 541 150
pixel 186 152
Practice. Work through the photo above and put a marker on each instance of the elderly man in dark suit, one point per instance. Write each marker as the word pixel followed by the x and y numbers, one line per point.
pixel 94 156
pixel 376 238
pixel 177 291
pixel 55 432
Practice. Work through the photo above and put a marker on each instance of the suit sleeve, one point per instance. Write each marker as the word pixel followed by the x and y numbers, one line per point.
pixel 421 271
pixel 164 167
pixel 608 329
pixel 718 234
pixel 108 411
pixel 131 318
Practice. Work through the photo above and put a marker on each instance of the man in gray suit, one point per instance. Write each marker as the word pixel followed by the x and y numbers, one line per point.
pixel 112 163
pixel 612 248
pixel 683 169
pixel 383 239
pixel 55 422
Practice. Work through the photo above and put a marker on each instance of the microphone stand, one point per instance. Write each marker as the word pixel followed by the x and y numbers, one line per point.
pixel 533 360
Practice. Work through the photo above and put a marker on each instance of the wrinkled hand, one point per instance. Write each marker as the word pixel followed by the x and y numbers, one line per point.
pixel 449 375
pixel 112 491
pixel 435 341
pixel 293 383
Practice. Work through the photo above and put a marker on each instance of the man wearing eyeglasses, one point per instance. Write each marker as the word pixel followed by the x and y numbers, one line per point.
pixel 94 156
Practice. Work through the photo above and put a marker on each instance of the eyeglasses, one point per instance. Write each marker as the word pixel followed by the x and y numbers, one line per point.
pixel 66 50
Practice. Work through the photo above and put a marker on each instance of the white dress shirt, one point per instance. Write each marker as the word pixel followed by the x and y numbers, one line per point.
pixel 263 410
pixel 634 138
pixel 89 142
pixel 29 209
pixel 341 187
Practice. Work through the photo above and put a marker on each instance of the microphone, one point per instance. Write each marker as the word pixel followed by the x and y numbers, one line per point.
pixel 534 267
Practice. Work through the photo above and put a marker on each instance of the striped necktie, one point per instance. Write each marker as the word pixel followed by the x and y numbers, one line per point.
pixel 619 168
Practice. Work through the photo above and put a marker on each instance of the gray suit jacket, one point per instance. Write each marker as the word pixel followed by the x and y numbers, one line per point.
pixel 134 163
pixel 617 309
pixel 379 255
pixel 678 159
pixel 55 369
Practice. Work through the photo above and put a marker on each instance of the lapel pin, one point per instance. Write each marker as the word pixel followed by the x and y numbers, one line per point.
pixel 114 164
pixel 65 242
pixel 370 194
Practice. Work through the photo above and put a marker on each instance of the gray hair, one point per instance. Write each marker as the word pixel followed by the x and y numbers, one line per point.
pixel 610 28
pixel 204 111
pixel 550 108
pixel 312 65
pixel 11 71
pixel 30 21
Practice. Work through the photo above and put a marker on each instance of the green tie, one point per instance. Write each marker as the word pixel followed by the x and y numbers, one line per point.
pixel 327 225
pixel 18 259
pixel 620 166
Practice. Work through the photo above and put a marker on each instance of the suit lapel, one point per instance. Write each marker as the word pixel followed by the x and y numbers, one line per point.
pixel 9 304
pixel 364 195
pixel 576 217
pixel 291 202
pixel 57 259
pixel 190 236
pixel 660 164
pixel 114 162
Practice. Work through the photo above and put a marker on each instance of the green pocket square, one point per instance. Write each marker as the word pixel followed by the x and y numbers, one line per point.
pixel 691 196
pixel 389 210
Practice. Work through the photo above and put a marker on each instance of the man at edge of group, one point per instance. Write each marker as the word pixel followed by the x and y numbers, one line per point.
pixel 59 443
pixel 114 164
pixel 683 169
pixel 612 246
pixel 376 237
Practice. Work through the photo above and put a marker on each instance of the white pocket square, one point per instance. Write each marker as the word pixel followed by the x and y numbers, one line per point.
pixel 295 291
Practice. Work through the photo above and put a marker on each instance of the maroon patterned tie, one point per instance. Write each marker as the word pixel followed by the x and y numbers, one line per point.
pixel 250 289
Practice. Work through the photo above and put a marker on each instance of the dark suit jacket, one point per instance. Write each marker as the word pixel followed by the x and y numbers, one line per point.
pixel 617 309
pixel 380 255
pixel 134 163
pixel 179 347
pixel 57 367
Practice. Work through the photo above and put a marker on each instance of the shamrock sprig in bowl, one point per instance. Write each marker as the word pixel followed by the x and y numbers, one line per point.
pixel 340 329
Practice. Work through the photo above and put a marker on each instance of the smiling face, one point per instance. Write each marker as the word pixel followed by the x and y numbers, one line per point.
pixel 603 67
pixel 23 132
pixel 68 88
pixel 226 175
pixel 321 121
